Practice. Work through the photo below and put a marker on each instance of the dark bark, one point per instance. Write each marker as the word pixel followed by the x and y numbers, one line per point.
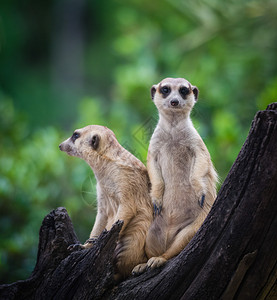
pixel 59 274
pixel 232 256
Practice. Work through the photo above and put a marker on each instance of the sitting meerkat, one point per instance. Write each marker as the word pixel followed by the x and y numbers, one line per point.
pixel 181 173
pixel 122 193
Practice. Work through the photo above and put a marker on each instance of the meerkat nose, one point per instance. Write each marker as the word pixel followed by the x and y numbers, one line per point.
pixel 174 102
pixel 60 146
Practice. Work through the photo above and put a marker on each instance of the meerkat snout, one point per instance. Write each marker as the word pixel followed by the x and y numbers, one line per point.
pixel 174 102
pixel 62 147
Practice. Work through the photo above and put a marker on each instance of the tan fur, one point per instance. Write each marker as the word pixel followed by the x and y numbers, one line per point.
pixel 180 171
pixel 122 192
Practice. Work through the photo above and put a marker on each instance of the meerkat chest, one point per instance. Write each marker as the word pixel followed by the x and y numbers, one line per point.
pixel 108 193
pixel 175 154
pixel 108 187
pixel 175 148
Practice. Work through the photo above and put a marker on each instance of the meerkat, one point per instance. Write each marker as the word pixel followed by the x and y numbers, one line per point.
pixel 181 173
pixel 122 193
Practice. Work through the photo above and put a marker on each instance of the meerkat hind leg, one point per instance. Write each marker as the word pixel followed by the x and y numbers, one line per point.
pixel 139 269
pixel 181 240
pixel 179 243
pixel 156 262
pixel 152 263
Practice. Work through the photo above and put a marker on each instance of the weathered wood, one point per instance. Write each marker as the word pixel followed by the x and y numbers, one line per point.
pixel 60 274
pixel 232 256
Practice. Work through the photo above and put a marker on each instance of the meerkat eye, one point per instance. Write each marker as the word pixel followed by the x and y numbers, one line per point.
pixel 75 136
pixel 184 91
pixel 165 90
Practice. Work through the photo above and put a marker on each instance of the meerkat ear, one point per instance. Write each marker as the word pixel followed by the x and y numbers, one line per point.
pixel 95 141
pixel 153 91
pixel 195 92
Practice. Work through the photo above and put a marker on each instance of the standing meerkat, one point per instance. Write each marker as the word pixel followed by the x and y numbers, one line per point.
pixel 181 172
pixel 122 193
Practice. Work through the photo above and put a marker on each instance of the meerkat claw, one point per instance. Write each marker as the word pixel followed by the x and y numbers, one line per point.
pixel 157 210
pixel 91 241
pixel 201 202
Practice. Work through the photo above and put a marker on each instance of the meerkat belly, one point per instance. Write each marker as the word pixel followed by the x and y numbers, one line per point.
pixel 176 164
pixel 180 206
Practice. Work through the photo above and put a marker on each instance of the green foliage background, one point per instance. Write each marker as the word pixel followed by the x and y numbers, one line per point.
pixel 67 64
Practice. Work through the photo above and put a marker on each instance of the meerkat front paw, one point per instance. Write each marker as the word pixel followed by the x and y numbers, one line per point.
pixel 155 262
pixel 157 206
pixel 89 243
pixel 75 247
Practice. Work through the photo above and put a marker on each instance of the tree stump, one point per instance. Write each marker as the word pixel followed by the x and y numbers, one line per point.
pixel 232 256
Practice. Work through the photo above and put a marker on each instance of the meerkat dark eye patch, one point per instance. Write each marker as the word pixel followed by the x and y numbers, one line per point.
pixel 75 136
pixel 165 90
pixel 95 141
pixel 184 91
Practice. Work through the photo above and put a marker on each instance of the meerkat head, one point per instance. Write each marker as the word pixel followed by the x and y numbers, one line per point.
pixel 89 142
pixel 174 94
